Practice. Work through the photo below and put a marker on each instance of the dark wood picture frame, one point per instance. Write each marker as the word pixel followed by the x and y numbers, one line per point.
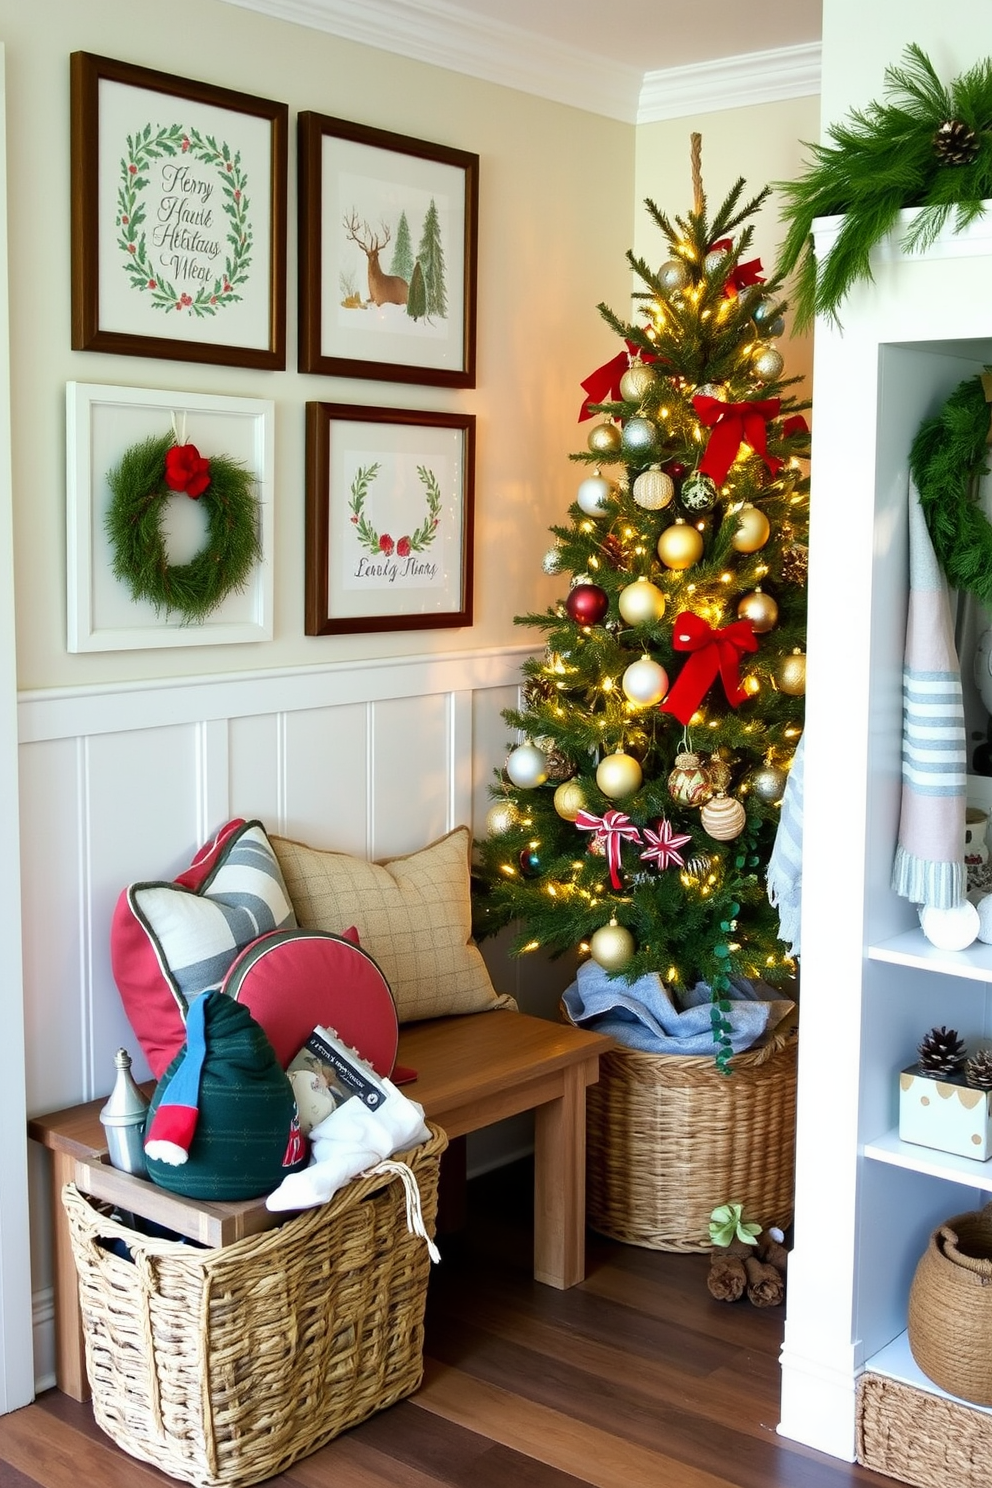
pixel 96 229
pixel 363 594
pixel 395 348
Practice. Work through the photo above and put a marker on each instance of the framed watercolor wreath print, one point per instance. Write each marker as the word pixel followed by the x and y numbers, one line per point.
pixel 169 518
pixel 178 217
pixel 388 255
pixel 389 519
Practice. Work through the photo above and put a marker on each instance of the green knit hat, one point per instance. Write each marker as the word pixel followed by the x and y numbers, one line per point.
pixel 222 1123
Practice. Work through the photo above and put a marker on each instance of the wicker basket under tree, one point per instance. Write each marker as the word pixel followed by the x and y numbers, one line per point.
pixel 669 1138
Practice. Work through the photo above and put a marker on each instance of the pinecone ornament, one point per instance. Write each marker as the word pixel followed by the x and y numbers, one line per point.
pixel 941 1052
pixel 978 1070
pixel 955 143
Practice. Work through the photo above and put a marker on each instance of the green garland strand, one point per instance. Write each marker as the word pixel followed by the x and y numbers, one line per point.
pixel 947 459
pixel 134 527
pixel 928 146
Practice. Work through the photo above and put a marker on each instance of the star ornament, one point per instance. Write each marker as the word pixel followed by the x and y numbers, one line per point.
pixel 663 844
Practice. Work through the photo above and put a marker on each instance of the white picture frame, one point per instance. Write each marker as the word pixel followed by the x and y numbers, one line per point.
pixel 102 422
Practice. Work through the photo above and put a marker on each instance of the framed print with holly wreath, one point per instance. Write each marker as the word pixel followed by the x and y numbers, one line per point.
pixel 178 217
pixel 169 518
pixel 389 519
pixel 388 255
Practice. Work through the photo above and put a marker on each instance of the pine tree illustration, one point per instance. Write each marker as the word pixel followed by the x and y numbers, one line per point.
pixel 431 257
pixel 416 300
pixel 402 263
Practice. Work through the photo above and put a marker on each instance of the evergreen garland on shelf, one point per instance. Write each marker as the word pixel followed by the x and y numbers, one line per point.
pixel 928 147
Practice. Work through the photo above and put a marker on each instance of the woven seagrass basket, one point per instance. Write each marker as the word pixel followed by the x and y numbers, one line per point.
pixel 669 1139
pixel 923 1439
pixel 950 1307
pixel 224 1366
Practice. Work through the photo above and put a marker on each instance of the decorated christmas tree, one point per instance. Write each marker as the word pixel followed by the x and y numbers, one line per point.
pixel 635 819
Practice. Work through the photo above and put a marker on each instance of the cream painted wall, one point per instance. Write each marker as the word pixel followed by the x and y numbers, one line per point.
pixel 556 189
pixel 763 144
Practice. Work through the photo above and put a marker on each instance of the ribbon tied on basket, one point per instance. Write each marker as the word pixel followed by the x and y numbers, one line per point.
pixel 616 828
pixel 712 652
pixel 734 424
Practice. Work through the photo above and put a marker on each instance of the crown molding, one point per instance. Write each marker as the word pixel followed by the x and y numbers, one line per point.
pixel 732 82
pixel 445 35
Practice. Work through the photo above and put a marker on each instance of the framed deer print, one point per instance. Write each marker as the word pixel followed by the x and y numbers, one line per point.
pixel 388 255
pixel 389 519
pixel 178 194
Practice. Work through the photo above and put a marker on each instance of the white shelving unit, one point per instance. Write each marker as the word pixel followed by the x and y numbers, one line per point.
pixel 872 985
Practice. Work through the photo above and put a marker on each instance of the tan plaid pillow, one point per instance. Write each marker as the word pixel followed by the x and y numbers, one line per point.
pixel 412 914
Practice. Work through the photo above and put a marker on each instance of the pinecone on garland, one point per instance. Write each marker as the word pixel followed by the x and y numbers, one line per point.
pixel 941 1052
pixel 955 143
pixel 979 1070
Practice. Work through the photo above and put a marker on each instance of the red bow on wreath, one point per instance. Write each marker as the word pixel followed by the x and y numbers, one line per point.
pixel 713 652
pixel 734 424
pixel 741 274
pixel 603 385
pixel 186 470
pixel 615 828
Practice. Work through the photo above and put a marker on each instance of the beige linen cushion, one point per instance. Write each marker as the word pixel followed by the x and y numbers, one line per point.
pixel 413 916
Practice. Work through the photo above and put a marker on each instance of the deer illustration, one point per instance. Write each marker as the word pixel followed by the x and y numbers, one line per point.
pixel 384 289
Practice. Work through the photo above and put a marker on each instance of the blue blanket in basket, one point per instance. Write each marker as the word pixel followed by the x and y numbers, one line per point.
pixel 642 1015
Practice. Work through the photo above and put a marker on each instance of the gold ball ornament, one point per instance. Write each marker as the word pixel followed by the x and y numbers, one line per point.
pixel 619 775
pixel 639 436
pixel 760 609
pixel 653 489
pixel 636 381
pixel 723 817
pixel 611 946
pixel 680 545
pixel 501 818
pixel 527 767
pixel 641 603
pixel 604 439
pixel 768 364
pixel 768 782
pixel 752 531
pixel 689 783
pixel 790 674
pixel 644 682
pixel 570 799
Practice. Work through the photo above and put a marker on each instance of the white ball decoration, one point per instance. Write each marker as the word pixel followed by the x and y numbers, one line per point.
pixel 950 929
pixel 645 682
pixel 985 919
pixel 593 494
pixel 527 767
pixel 611 946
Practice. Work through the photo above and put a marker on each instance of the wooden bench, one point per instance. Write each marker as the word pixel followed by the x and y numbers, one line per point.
pixel 472 1071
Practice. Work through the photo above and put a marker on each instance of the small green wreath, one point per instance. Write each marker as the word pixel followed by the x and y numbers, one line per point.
pixel 947 460
pixel 419 540
pixel 141 485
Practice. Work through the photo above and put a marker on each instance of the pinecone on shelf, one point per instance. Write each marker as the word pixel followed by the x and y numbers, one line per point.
pixel 955 143
pixel 941 1052
pixel 978 1070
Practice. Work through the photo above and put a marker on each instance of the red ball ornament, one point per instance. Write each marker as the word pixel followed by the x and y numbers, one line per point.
pixel 675 468
pixel 587 604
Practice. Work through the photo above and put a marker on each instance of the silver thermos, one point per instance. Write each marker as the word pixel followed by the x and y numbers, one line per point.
pixel 123 1120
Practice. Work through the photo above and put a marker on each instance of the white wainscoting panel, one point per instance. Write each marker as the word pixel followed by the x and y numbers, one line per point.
pixel 124 783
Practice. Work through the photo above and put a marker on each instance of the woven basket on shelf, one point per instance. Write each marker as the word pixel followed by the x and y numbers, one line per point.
pixel 950 1307
pixel 224 1366
pixel 920 1438
pixel 669 1139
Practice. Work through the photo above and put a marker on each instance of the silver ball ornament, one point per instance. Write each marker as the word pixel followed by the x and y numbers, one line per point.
pixel 619 775
pixel 712 390
pixel 673 276
pixel 644 682
pixel 653 489
pixel 639 436
pixel 604 439
pixel 641 603
pixel 611 946
pixel 527 767
pixel 698 493
pixel 764 317
pixel 501 818
pixel 768 364
pixel 715 261
pixel 593 495
pixel 636 382
pixel 551 563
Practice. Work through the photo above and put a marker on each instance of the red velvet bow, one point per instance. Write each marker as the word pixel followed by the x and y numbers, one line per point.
pixel 186 470
pixel 733 423
pixel 742 273
pixel 713 651
pixel 795 425
pixel 603 385
pixel 616 828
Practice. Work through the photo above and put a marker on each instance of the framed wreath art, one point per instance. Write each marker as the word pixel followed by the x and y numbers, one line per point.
pixel 178 217
pixel 169 518
pixel 389 519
